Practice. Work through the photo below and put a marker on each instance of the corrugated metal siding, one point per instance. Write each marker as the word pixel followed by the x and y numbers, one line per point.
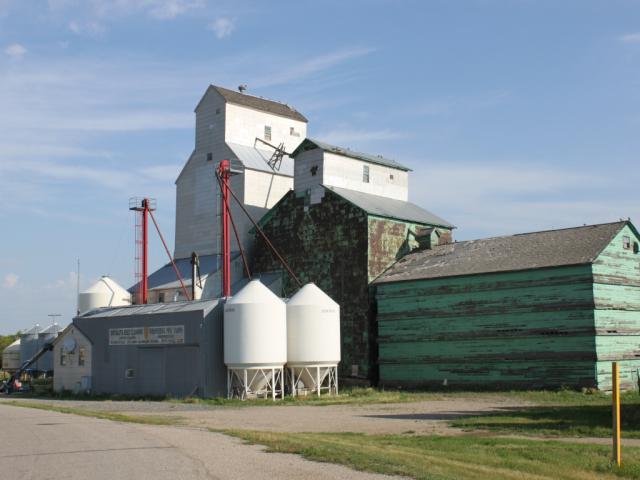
pixel 516 329
pixel 616 275
pixel 193 368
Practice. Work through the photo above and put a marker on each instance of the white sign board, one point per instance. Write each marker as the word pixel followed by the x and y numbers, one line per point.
pixel 159 335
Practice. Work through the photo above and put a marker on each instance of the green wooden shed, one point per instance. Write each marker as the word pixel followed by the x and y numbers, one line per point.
pixel 544 309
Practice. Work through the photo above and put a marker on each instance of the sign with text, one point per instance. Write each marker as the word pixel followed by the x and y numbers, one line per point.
pixel 158 335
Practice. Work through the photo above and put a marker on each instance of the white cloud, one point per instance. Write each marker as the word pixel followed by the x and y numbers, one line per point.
pixel 630 38
pixel 167 9
pixel 15 50
pixel 297 70
pixel 90 28
pixel 346 136
pixel 222 26
pixel 10 280
pixel 66 283
pixel 492 198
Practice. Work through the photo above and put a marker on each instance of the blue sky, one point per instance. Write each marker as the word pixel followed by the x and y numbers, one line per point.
pixel 515 115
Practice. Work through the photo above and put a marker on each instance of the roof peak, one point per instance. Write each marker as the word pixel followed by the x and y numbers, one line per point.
pixel 347 152
pixel 549 230
pixel 258 103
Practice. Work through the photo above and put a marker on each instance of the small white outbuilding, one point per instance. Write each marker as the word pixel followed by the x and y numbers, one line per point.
pixel 72 361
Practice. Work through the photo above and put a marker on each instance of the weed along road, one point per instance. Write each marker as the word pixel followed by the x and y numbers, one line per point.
pixel 40 444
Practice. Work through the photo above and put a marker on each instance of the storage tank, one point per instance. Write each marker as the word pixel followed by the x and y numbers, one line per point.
pixel 255 342
pixel 47 335
pixel 11 356
pixel 29 343
pixel 104 293
pixel 313 341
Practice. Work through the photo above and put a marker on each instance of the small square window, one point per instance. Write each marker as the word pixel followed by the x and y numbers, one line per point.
pixel 209 156
pixel 129 373
pixel 391 177
pixel 267 133
pixel 218 111
pixel 314 170
pixel 365 173
pixel 626 242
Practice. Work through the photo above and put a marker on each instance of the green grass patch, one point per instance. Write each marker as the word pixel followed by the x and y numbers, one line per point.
pixel 116 417
pixel 579 418
pixel 464 457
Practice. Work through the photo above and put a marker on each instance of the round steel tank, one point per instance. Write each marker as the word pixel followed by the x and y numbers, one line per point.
pixel 255 342
pixel 255 328
pixel 313 328
pixel 104 293
pixel 47 335
pixel 11 356
pixel 29 343
pixel 313 341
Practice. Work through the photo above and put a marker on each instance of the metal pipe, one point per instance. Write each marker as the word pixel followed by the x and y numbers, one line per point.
pixel 224 172
pixel 264 237
pixel 145 250
pixel 173 264
pixel 235 231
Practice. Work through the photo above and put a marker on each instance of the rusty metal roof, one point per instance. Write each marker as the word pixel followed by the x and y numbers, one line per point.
pixel 551 248
pixel 259 103
pixel 389 207
pixel 310 144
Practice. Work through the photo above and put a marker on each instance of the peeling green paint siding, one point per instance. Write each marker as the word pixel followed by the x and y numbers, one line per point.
pixel 325 243
pixel 498 330
pixel 616 289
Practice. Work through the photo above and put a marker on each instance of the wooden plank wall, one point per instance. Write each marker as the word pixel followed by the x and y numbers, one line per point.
pixel 502 330
pixel 616 276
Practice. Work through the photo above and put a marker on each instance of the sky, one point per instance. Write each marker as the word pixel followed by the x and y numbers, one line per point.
pixel 515 115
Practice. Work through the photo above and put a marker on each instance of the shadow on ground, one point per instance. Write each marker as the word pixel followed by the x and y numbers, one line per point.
pixel 582 420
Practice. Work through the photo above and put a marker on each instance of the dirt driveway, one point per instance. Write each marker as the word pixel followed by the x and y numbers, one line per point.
pixel 425 417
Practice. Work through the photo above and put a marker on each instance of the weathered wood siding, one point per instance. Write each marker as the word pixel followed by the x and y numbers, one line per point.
pixel 515 329
pixel 616 287
pixel 326 244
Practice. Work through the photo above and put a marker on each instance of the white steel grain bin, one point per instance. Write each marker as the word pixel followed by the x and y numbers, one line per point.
pixel 11 357
pixel 313 340
pixel 104 293
pixel 29 343
pixel 255 341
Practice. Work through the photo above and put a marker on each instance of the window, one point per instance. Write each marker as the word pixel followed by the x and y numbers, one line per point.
pixel 161 297
pixel 209 156
pixel 636 247
pixel 626 242
pixel 63 358
pixel 267 133
pixel 365 173
pixel 82 353
pixel 391 177
pixel 218 111
pixel 293 133
pixel 129 373
pixel 314 170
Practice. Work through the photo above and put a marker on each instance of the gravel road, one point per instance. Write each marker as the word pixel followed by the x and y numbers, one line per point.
pixel 38 444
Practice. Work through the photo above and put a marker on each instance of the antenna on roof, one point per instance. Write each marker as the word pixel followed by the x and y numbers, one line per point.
pixel 242 88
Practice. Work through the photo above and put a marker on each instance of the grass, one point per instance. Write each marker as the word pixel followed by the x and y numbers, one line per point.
pixel 363 396
pixel 588 416
pixel 117 417
pixel 436 457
